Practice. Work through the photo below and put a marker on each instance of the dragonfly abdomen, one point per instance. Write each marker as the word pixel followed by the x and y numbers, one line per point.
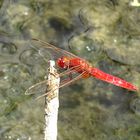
pixel 112 79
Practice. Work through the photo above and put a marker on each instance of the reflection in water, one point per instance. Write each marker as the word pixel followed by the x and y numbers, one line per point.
pixel 135 106
pixel 8 49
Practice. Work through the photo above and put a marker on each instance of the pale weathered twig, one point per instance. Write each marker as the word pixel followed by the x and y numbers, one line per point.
pixel 51 104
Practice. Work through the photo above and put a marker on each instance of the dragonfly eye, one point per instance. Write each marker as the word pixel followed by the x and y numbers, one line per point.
pixel 61 63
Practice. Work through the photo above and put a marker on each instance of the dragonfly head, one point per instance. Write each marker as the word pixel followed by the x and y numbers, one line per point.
pixel 63 62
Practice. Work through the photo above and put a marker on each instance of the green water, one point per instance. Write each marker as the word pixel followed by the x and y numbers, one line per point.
pixel 106 33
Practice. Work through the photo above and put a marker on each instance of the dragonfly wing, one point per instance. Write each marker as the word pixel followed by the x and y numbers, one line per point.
pixel 68 82
pixel 38 88
pixel 45 52
pixel 55 51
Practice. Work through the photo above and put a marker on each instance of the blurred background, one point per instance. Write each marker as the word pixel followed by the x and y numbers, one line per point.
pixel 106 33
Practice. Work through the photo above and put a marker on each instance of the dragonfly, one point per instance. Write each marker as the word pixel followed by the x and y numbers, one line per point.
pixel 71 64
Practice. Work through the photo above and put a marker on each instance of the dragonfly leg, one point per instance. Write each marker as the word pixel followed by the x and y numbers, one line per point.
pixel 62 85
pixel 70 70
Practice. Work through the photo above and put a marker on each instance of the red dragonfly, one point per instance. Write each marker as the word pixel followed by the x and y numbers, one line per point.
pixel 74 64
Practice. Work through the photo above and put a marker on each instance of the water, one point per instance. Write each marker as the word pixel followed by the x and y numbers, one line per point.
pixel 106 33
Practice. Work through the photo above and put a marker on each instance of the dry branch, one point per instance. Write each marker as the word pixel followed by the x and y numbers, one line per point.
pixel 52 104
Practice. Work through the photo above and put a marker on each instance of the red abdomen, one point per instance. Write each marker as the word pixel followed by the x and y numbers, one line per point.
pixel 112 79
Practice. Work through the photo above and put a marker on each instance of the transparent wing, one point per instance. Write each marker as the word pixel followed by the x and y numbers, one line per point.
pixel 38 88
pixel 45 47
pixel 41 87
pixel 64 84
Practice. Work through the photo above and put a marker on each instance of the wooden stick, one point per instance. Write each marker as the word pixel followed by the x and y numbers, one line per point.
pixel 52 104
